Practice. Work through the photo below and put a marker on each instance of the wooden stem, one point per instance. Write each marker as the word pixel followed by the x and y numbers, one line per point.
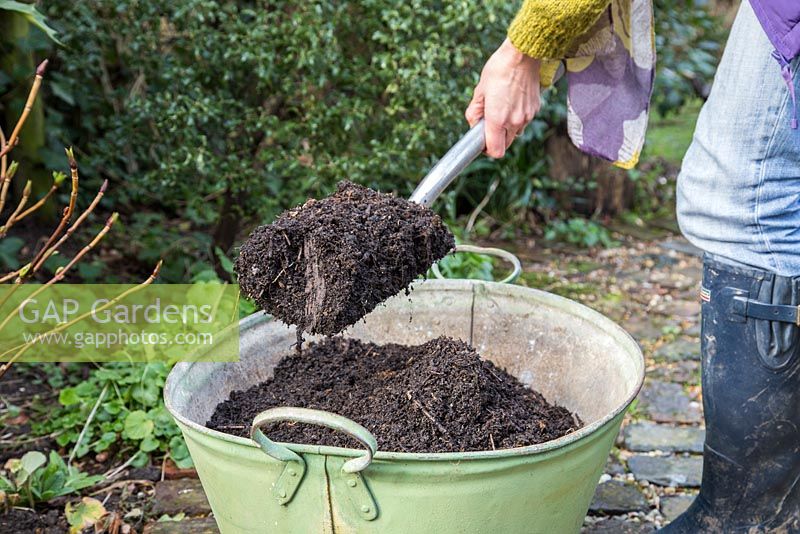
pixel 23 348
pixel 82 217
pixel 9 276
pixel 23 272
pixel 38 260
pixel 103 231
pixel 26 193
pixel 13 139
pixel 7 176
pixel 39 203
pixel 62 272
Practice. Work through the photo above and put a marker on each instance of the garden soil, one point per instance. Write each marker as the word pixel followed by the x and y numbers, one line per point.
pixel 436 397
pixel 326 264
pixel 24 521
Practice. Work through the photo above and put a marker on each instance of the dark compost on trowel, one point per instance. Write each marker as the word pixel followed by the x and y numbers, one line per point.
pixel 326 264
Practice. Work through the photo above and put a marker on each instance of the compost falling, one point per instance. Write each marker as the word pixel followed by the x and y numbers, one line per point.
pixel 436 397
pixel 322 267
pixel 326 264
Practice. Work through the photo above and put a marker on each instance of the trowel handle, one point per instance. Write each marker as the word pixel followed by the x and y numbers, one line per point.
pixel 446 169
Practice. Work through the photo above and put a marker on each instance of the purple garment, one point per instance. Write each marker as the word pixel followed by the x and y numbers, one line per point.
pixel 611 89
pixel 781 22
pixel 610 73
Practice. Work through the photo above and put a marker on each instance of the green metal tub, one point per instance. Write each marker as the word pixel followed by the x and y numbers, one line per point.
pixel 573 355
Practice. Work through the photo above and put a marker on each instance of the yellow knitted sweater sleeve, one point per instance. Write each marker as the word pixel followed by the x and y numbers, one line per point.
pixel 544 29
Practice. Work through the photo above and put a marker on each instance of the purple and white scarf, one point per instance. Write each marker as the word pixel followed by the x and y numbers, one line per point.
pixel 610 72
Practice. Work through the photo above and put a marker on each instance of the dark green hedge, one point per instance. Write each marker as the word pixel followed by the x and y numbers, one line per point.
pixel 269 102
pixel 214 115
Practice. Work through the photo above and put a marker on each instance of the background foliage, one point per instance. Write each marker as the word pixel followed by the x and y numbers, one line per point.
pixel 211 116
pixel 225 113
pixel 129 414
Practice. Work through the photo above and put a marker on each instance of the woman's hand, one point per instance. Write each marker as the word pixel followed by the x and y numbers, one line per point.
pixel 507 96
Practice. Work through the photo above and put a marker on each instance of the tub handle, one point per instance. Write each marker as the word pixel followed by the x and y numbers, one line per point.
pixel 488 251
pixel 313 417
pixel 292 475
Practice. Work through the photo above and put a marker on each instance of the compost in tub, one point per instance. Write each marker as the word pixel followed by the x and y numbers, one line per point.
pixel 436 397
pixel 399 426
pixel 576 358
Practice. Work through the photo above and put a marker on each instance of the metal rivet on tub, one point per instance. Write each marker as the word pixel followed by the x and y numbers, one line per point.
pixel 365 509
pixel 282 494
pixel 352 483
pixel 292 473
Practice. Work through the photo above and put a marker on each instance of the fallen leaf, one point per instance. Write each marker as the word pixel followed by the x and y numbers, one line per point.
pixel 85 514
pixel 21 419
pixel 134 513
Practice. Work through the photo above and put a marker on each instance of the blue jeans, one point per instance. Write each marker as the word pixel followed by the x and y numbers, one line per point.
pixel 739 188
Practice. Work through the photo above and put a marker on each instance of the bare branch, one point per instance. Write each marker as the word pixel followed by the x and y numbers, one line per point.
pixel 3 159
pixel 62 271
pixel 57 179
pixel 82 217
pixel 26 193
pixel 73 167
pixel 10 276
pixel 103 231
pixel 24 271
pixel 23 348
pixel 13 139
pixel 6 182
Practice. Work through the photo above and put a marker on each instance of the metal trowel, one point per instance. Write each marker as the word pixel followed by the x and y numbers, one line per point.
pixel 313 268
pixel 451 165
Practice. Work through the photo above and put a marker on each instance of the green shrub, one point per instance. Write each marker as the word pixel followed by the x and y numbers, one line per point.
pixel 223 111
pixel 30 481
pixel 466 265
pixel 130 413
pixel 581 232
pixel 689 42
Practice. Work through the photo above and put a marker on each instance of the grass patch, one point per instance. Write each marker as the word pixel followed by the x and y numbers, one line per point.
pixel 669 137
pixel 611 299
pixel 583 266
pixel 557 286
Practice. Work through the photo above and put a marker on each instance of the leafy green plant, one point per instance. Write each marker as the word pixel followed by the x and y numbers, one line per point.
pixel 129 413
pixel 653 191
pixel 30 481
pixel 466 265
pixel 246 306
pixel 31 15
pixel 582 232
pixel 689 41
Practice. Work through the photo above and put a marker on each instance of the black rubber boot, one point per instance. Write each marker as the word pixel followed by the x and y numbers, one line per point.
pixel 750 342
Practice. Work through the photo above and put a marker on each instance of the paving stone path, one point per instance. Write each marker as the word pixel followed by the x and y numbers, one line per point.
pixel 658 456
pixel 654 470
